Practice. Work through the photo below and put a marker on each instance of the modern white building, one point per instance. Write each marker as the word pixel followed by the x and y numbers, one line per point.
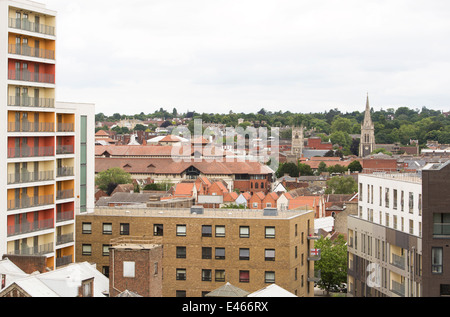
pixel 385 238
pixel 47 147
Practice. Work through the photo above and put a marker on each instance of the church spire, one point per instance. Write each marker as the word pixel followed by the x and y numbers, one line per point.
pixel 367 117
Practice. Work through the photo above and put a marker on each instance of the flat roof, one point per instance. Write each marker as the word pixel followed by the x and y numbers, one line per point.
pixel 129 211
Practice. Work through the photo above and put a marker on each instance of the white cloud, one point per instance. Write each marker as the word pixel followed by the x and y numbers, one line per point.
pixel 221 55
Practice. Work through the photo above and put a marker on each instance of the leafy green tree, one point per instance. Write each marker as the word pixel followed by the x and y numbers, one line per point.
pixel 305 170
pixel 107 179
pixel 355 166
pixel 287 168
pixel 332 264
pixel 321 168
pixel 341 185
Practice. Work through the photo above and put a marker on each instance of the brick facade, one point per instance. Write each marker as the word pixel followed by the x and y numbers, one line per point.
pixel 184 255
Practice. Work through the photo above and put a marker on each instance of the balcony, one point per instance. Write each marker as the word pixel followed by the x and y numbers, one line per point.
pixel 398 261
pixel 25 101
pixel 64 194
pixel 29 177
pixel 26 25
pixel 398 288
pixel 26 75
pixel 64 216
pixel 28 227
pixel 29 202
pixel 64 260
pixel 26 50
pixel 312 235
pixel 65 171
pixel 36 250
pixel 64 238
pixel 27 151
pixel 66 127
pixel 64 149
pixel 31 127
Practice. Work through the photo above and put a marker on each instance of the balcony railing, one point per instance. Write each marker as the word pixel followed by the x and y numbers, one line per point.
pixel 64 216
pixel 36 250
pixel 25 50
pixel 28 227
pixel 314 276
pixel 312 235
pixel 64 149
pixel 31 127
pixel 64 260
pixel 66 127
pixel 28 202
pixel 64 194
pixel 25 101
pixel 26 25
pixel 398 261
pixel 26 151
pixel 64 238
pixel 26 75
pixel 28 177
pixel 398 288
pixel 65 171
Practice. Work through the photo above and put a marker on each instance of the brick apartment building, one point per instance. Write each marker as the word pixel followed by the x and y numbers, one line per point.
pixel 205 249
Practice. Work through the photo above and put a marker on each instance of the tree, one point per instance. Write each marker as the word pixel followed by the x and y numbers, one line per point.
pixel 332 264
pixel 109 179
pixel 288 168
pixel 355 166
pixel 321 168
pixel 305 170
pixel 341 185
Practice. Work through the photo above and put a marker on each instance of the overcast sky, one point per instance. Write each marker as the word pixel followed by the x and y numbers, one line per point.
pixel 243 55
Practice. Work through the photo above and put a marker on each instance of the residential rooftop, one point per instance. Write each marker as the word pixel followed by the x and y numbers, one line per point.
pixel 198 212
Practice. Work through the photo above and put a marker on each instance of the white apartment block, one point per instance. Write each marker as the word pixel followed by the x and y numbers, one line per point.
pixel 47 147
pixel 385 238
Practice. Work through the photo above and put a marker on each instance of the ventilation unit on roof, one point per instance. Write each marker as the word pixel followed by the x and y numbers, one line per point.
pixel 197 210
pixel 270 212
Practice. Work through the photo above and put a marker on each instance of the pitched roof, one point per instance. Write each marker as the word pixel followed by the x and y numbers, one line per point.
pixel 184 189
pixel 170 166
pixel 307 202
pixel 231 196
pixel 272 290
pixel 227 290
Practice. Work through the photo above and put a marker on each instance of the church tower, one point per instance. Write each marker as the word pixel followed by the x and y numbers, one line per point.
pixel 367 141
pixel 297 141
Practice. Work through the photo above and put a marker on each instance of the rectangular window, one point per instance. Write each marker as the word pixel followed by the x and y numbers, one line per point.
pixel 106 249
pixel 87 228
pixel 220 231
pixel 244 254
pixel 411 202
pixel 270 232
pixel 269 254
pixel 181 252
pixel 158 229
pixel 86 249
pixel 181 274
pixel 181 230
pixel 244 232
pixel 395 199
pixel 386 197
pixel 125 229
pixel 206 275
pixel 220 254
pixel 129 269
pixel 269 277
pixel 206 231
pixel 441 224
pixel 206 252
pixel 107 228
pixel 244 276
pixel 219 276
pixel 436 260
